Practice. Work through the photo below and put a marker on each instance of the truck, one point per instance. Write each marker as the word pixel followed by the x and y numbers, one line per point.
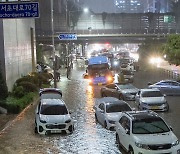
pixel 99 71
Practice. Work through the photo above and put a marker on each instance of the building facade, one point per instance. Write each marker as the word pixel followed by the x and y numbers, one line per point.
pixel 143 6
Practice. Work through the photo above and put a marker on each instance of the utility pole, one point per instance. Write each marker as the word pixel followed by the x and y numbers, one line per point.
pixel 53 54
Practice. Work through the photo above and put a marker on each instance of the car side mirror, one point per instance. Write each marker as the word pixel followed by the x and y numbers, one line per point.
pixel 102 111
pixel 149 83
pixel 171 128
pixel 133 109
pixel 127 131
pixel 164 95
pixel 85 76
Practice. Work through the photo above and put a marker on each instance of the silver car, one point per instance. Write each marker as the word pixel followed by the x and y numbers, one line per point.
pixel 108 111
pixel 120 91
pixel 168 87
pixel 151 99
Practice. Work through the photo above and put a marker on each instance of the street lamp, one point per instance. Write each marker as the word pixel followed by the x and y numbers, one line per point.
pixel 53 50
pixel 85 10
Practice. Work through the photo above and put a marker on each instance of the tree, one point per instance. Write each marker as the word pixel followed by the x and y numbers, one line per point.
pixel 104 15
pixel 74 13
pixel 172 49
pixel 3 89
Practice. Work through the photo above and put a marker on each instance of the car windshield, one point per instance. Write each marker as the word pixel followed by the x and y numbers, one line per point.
pixel 126 86
pixel 50 96
pixel 152 94
pixel 53 110
pixel 117 108
pixel 127 72
pixel 149 126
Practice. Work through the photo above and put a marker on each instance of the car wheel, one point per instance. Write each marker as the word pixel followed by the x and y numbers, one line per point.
pixel 71 128
pixel 131 151
pixel 96 120
pixel 105 124
pixel 118 141
pixel 103 95
pixel 121 97
pixel 35 128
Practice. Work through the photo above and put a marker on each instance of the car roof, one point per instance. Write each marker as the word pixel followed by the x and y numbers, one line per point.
pixel 52 102
pixel 167 80
pixel 139 115
pixel 107 99
pixel 49 90
pixel 111 100
pixel 150 89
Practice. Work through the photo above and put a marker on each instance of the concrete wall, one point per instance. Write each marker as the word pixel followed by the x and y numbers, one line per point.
pixel 2 60
pixel 17 48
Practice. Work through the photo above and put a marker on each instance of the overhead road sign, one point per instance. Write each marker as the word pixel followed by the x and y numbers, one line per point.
pixel 19 10
pixel 67 36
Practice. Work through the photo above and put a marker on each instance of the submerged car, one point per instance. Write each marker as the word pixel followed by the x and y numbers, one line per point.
pixel 151 99
pixel 50 93
pixel 108 111
pixel 128 75
pixel 168 87
pixel 145 132
pixel 120 91
pixel 52 116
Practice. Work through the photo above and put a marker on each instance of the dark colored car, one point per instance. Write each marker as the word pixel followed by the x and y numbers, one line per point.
pixel 120 91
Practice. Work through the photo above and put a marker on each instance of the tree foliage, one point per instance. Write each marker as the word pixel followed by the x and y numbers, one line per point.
pixel 4 88
pixel 172 49
pixel 104 15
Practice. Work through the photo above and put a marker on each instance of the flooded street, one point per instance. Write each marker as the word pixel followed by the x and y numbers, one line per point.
pixel 88 137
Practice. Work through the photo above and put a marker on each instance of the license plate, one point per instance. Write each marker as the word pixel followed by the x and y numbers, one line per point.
pixel 55 131
pixel 155 107
pixel 99 84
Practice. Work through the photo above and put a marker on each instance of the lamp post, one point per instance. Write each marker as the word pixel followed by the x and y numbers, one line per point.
pixel 85 10
pixel 53 48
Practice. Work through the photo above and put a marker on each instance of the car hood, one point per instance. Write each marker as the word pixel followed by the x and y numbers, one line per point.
pixel 153 100
pixel 161 138
pixel 55 118
pixel 115 116
pixel 130 90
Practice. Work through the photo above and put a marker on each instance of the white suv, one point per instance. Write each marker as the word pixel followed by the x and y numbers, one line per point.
pixel 145 132
pixel 52 116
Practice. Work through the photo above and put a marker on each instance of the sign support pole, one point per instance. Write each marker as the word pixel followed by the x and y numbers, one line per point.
pixel 53 54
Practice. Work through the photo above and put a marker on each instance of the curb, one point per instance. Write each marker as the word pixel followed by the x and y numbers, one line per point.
pixel 18 117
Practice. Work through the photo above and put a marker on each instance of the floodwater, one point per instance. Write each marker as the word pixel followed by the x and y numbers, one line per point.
pixel 90 137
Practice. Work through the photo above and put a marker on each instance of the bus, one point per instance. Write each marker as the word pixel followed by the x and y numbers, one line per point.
pixel 99 71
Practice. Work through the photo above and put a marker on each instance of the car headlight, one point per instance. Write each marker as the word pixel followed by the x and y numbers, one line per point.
pixel 175 143
pixel 143 103
pixel 68 121
pixel 42 121
pixel 142 146
pixel 111 121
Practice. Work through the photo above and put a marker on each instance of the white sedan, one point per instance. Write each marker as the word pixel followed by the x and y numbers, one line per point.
pixel 151 99
pixel 108 111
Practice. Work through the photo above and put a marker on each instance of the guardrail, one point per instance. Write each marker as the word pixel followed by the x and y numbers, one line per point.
pixel 170 74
